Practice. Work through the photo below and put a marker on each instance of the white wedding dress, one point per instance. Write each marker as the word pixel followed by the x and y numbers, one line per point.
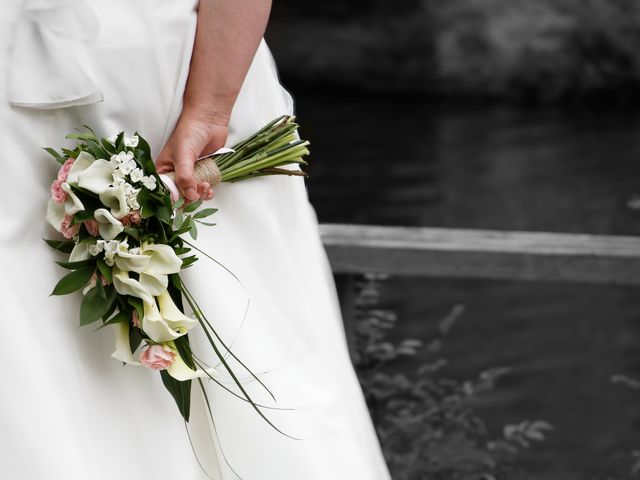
pixel 67 410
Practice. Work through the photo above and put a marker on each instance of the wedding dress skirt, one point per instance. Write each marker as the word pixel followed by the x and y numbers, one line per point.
pixel 69 411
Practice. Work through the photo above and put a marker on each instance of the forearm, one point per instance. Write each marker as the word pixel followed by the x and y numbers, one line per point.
pixel 227 37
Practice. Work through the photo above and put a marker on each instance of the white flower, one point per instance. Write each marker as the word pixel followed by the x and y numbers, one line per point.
pixel 131 141
pixel 152 263
pixel 108 226
pixel 163 321
pixel 123 346
pixel 97 177
pixel 128 165
pixel 118 177
pixel 80 252
pixel 128 141
pixel 136 175
pixel 97 248
pixel 121 158
pixel 149 182
pixel 115 198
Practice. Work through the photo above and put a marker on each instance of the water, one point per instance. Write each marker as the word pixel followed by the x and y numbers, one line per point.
pixel 400 161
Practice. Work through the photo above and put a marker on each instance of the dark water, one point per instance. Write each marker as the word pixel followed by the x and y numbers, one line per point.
pixel 401 161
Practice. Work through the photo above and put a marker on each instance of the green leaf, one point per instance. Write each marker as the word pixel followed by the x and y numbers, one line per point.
pixel 204 213
pixel 73 281
pixel 192 207
pixel 85 136
pixel 120 317
pixel 193 231
pixel 180 391
pixel 76 265
pixel 105 270
pixel 94 306
pixel 178 204
pixel 60 158
pixel 107 147
pixel 82 216
pixel 164 214
pixel 64 246
pixel 135 339
pixel 188 261
pixel 184 349
pixel 208 224
pixel 132 232
pixel 137 304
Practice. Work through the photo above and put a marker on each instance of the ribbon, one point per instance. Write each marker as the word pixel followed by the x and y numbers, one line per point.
pixel 49 57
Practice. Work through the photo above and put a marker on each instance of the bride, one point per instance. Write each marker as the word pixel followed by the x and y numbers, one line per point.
pixel 190 78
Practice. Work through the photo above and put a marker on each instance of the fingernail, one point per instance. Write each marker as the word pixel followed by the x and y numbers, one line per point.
pixel 191 194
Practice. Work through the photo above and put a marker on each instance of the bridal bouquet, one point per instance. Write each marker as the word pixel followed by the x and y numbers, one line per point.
pixel 123 226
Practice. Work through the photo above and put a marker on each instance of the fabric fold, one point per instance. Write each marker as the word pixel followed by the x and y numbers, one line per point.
pixel 47 68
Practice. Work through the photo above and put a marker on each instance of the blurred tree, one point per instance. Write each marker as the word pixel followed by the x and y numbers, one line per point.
pixel 543 50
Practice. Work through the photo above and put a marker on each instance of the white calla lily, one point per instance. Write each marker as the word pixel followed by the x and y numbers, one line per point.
pixel 164 260
pixel 132 262
pixel 80 251
pixel 116 199
pixel 55 214
pixel 108 225
pixel 80 164
pixel 73 204
pixel 97 177
pixel 177 320
pixel 155 326
pixel 145 288
pixel 163 321
pixel 181 371
pixel 123 348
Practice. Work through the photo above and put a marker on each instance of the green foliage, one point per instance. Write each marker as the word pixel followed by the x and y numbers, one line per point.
pixel 425 421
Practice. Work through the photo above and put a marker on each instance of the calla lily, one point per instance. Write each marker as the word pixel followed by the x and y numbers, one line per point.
pixel 145 288
pixel 153 263
pixel 81 163
pixel 163 321
pixel 177 320
pixel 80 251
pixel 73 204
pixel 164 260
pixel 123 348
pixel 55 214
pixel 181 371
pixel 109 226
pixel 116 199
pixel 97 177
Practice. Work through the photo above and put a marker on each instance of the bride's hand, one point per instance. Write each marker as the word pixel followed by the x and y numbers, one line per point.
pixel 196 134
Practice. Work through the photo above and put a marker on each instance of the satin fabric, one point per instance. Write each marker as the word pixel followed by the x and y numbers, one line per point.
pixel 67 410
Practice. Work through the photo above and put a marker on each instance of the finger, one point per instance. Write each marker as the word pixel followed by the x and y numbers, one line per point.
pixel 184 176
pixel 203 188
pixel 164 163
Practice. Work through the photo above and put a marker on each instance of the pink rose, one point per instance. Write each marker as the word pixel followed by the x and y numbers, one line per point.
pixel 68 231
pixel 157 357
pixel 64 170
pixel 133 218
pixel 92 227
pixel 135 319
pixel 58 195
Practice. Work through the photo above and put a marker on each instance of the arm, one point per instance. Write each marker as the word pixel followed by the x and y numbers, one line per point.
pixel 227 37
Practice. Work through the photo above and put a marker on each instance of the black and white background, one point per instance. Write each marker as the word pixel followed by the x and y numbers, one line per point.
pixel 509 115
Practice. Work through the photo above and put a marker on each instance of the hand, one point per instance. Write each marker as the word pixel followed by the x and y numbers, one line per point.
pixel 195 135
